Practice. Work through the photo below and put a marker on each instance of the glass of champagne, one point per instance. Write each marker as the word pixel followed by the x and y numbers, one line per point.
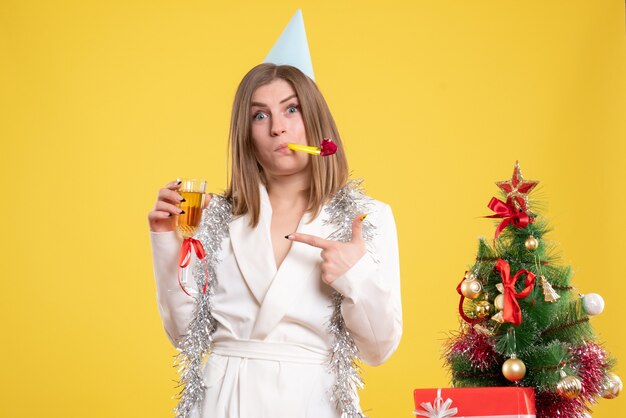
pixel 193 191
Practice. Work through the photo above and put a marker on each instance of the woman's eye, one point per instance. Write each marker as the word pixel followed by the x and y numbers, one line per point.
pixel 259 116
pixel 292 109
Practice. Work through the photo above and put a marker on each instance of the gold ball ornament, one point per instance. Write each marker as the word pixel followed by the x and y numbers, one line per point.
pixel 498 302
pixel 613 386
pixel 531 243
pixel 482 309
pixel 514 369
pixel 471 288
pixel 569 387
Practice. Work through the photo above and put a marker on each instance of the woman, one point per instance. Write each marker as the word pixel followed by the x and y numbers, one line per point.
pixel 278 272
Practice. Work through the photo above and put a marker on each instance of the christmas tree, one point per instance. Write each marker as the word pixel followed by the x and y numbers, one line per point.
pixel 523 322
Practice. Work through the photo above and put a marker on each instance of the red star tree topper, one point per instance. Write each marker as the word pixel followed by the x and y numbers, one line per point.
pixel 517 188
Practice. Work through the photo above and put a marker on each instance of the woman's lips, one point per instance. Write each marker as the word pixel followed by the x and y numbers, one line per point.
pixel 282 148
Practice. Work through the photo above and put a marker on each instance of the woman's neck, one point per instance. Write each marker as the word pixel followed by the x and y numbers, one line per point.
pixel 288 191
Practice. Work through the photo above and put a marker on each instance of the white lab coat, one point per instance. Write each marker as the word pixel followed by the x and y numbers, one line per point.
pixel 271 348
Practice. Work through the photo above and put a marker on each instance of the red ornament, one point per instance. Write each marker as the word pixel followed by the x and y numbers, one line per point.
pixel 327 147
pixel 517 188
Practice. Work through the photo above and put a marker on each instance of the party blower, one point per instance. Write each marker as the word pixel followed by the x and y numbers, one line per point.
pixel 326 148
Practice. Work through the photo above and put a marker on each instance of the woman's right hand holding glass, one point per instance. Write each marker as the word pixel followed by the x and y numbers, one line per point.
pixel 162 218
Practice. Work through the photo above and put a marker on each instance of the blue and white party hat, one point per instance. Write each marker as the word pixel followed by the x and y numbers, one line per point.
pixel 292 48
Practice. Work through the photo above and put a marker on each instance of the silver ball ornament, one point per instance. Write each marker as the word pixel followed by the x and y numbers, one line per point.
pixel 593 304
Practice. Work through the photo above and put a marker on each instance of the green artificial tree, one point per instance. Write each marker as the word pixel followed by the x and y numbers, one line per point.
pixel 523 323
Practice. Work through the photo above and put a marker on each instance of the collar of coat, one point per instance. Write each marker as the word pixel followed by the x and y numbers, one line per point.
pixel 274 289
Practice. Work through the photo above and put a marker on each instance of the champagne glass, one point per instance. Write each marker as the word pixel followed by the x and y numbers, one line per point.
pixel 187 223
pixel 193 191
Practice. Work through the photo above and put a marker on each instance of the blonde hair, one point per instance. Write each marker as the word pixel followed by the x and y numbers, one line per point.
pixel 328 174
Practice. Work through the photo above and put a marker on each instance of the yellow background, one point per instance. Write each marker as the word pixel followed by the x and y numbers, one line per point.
pixel 103 102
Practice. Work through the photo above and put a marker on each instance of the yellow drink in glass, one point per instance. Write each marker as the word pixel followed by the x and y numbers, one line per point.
pixel 193 191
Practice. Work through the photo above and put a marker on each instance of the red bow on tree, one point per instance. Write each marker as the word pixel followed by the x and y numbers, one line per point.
pixel 510 214
pixel 189 245
pixel 512 312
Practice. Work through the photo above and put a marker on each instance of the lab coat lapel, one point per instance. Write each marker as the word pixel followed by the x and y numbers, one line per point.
pixel 301 265
pixel 253 249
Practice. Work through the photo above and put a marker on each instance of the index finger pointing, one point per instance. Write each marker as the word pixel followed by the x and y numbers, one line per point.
pixel 310 239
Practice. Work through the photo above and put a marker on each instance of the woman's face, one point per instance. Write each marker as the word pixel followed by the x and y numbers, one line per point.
pixel 276 120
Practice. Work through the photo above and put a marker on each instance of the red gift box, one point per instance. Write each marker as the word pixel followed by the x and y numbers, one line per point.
pixel 487 402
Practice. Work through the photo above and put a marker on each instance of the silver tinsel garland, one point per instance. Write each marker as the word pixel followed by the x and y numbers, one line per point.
pixel 198 339
pixel 347 204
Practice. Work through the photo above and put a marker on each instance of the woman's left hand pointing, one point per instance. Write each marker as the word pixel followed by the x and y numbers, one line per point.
pixel 338 257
